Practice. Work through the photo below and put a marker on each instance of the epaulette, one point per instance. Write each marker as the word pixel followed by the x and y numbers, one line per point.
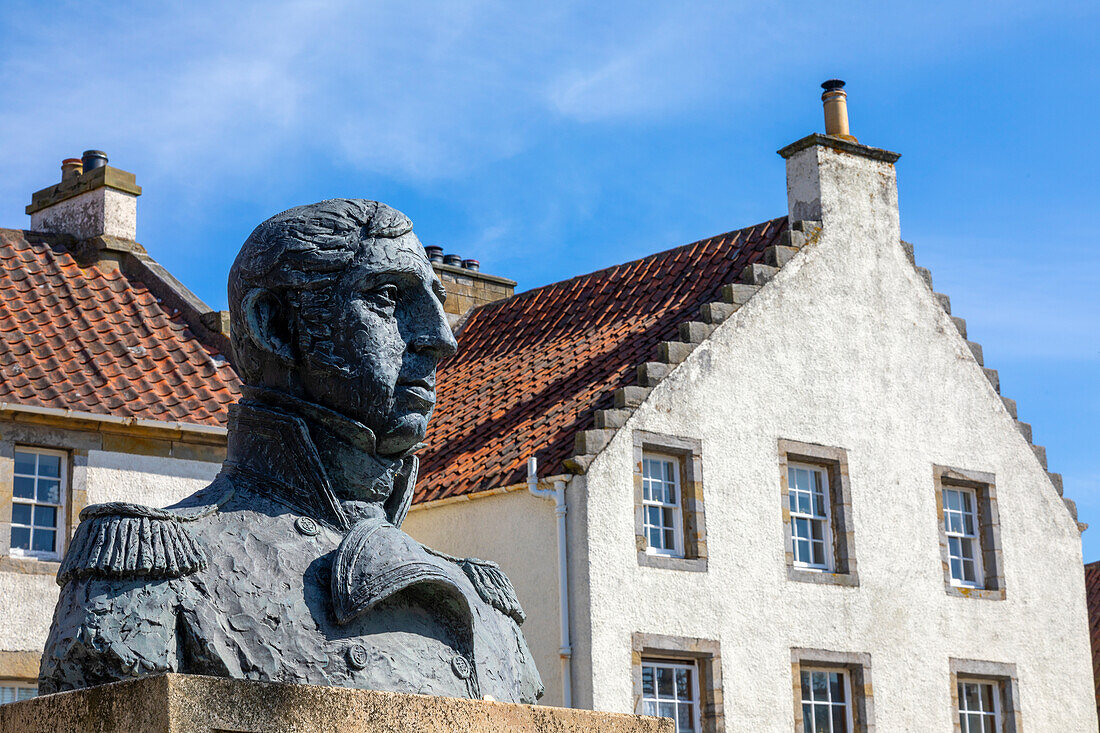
pixel 490 582
pixel 121 540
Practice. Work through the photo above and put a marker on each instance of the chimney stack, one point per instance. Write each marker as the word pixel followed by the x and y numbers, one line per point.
pixel 92 200
pixel 467 287
pixel 849 187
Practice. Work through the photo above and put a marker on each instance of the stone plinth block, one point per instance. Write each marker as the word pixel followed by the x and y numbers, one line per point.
pixel 176 703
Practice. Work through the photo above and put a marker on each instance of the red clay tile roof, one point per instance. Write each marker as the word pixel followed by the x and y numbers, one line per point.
pixel 531 369
pixel 93 340
pixel 1092 594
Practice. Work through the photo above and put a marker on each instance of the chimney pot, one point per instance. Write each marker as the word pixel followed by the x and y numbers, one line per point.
pixel 435 254
pixel 471 264
pixel 454 260
pixel 71 168
pixel 93 159
pixel 835 101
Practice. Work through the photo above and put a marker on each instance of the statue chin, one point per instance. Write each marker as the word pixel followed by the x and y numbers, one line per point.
pixel 402 433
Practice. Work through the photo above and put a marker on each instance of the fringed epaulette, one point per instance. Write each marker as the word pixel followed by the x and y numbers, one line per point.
pixel 490 582
pixel 120 540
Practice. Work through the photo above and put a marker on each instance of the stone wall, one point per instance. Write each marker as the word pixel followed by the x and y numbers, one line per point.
pixel 175 703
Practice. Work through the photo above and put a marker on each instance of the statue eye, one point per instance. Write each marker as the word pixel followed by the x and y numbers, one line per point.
pixel 385 295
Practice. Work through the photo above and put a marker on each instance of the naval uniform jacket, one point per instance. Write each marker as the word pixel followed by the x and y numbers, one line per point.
pixel 266 575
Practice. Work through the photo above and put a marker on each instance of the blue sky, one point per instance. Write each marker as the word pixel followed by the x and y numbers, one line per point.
pixel 550 139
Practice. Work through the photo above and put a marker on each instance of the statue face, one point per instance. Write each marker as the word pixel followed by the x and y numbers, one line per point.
pixel 390 331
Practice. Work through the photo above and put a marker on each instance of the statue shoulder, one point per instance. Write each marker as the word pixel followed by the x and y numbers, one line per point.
pixel 123 540
pixel 490 582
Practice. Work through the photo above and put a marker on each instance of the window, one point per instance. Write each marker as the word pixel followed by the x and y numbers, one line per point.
pixel 15 691
pixel 832 691
pixel 662 516
pixel 970 533
pixel 960 523
pixel 671 690
pixel 985 696
pixel 669 530
pixel 811 531
pixel 37 510
pixel 979 706
pixel 680 678
pixel 826 701
pixel 817 513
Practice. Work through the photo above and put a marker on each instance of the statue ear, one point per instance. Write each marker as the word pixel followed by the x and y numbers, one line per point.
pixel 269 323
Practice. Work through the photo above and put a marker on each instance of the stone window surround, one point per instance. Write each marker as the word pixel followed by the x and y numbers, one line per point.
pixel 984 484
pixel 704 653
pixel 690 453
pixel 858 667
pixel 76 444
pixel 835 462
pixel 64 522
pixel 1000 672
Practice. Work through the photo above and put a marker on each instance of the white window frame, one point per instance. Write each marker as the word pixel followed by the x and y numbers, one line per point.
pixel 975 537
pixel 693 668
pixel 15 686
pixel 849 702
pixel 677 507
pixel 964 713
pixel 826 519
pixel 61 535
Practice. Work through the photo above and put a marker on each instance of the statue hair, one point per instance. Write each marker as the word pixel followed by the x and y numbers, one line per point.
pixel 296 257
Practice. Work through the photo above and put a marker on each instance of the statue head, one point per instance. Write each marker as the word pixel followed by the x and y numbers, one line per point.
pixel 337 304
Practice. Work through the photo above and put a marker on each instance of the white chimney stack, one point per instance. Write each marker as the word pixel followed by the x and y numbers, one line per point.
pixel 92 200
pixel 850 188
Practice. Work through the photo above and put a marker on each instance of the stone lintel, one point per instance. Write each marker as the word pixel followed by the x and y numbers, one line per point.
pixel 840 144
pixel 174 703
pixel 106 176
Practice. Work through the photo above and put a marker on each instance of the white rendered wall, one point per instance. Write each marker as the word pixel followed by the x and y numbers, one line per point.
pixel 846 348
pixel 150 480
pixel 519 532
pixel 100 211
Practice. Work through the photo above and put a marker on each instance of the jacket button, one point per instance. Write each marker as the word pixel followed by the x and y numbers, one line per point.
pixel 357 657
pixel 306 526
pixel 461 667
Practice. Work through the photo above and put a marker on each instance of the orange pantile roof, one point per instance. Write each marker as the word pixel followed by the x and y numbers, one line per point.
pixel 1092 596
pixel 531 370
pixel 92 339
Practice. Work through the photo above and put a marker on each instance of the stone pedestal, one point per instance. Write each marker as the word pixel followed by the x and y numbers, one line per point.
pixel 175 703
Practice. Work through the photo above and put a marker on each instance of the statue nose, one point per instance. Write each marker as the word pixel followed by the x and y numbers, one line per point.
pixel 438 342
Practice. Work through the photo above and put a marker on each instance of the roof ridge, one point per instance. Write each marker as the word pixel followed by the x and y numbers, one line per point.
pixel 653 255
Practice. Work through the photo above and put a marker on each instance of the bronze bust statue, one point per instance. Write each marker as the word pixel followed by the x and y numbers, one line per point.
pixel 291 566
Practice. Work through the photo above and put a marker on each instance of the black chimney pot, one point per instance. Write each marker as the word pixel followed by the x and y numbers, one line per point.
pixel 832 85
pixel 93 159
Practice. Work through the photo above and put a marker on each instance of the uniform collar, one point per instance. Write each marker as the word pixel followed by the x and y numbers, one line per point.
pixel 283 444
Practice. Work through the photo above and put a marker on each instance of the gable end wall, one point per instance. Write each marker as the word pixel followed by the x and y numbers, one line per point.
pixel 845 348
